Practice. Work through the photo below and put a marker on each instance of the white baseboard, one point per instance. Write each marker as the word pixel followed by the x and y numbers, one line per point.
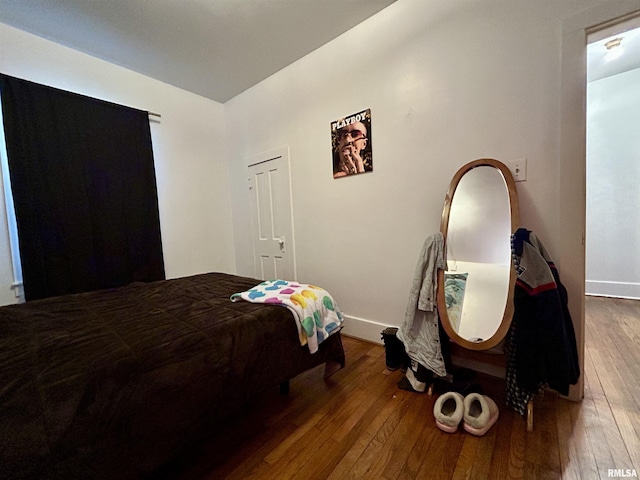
pixel 363 329
pixel 613 289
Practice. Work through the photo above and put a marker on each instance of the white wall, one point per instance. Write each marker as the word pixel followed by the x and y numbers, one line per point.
pixel 447 82
pixel 613 196
pixel 189 151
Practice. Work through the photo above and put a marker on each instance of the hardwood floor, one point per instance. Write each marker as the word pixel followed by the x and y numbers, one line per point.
pixel 360 425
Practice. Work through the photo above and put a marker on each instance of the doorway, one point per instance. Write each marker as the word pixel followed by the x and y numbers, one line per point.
pixel 612 251
pixel 571 222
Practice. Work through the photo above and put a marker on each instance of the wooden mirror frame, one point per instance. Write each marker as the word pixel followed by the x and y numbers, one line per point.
pixel 503 328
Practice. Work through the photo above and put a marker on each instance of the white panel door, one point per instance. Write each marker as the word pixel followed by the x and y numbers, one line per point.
pixel 272 219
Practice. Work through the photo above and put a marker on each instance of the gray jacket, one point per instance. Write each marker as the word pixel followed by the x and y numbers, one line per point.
pixel 419 333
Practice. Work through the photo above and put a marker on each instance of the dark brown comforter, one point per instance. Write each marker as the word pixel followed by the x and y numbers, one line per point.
pixel 111 384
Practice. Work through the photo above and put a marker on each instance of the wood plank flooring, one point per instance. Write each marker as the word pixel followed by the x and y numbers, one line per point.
pixel 360 425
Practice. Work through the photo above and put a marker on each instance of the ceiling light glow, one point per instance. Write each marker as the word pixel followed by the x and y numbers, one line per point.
pixel 613 43
pixel 614 49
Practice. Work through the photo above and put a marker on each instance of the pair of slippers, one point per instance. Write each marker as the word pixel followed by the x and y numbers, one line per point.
pixel 477 412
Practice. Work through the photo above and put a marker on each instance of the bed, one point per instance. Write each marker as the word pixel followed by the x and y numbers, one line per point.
pixel 113 383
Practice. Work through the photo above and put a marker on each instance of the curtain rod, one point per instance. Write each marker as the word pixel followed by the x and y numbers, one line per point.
pixel 151 114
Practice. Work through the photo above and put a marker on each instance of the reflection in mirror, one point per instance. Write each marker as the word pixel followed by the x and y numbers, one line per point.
pixel 475 294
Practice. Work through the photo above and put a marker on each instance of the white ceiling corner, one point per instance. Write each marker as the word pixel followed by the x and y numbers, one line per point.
pixel 214 48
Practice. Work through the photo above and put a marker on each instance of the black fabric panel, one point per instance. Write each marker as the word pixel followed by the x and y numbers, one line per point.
pixel 84 190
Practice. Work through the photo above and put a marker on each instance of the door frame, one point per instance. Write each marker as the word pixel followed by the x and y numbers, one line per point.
pixel 571 217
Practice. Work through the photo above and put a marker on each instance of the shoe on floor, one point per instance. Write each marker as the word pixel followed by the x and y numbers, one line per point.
pixel 448 411
pixel 480 413
pixel 419 376
pixel 395 355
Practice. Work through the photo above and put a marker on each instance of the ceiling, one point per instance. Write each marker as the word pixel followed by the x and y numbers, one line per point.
pixel 215 48
pixel 220 48
pixel 604 62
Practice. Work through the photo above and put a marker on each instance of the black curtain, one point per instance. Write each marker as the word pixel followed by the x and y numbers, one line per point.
pixel 84 190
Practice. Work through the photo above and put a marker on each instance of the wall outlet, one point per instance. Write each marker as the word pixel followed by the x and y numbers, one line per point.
pixel 518 168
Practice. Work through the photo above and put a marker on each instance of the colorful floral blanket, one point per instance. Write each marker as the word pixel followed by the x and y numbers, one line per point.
pixel 316 313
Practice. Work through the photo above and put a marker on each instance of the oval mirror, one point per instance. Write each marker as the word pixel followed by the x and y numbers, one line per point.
pixel 475 293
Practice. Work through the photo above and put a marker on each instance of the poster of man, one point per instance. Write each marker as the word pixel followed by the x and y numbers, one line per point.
pixel 351 144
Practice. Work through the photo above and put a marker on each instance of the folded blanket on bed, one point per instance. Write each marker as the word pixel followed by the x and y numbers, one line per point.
pixel 316 313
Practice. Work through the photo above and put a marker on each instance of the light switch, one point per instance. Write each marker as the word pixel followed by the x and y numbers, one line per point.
pixel 518 168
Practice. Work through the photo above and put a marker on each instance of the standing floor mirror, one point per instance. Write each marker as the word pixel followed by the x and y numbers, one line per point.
pixel 475 293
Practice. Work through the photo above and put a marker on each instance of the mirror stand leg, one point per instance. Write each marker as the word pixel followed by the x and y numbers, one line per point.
pixel 530 416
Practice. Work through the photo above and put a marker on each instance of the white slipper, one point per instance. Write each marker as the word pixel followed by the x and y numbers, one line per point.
pixel 448 411
pixel 480 413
